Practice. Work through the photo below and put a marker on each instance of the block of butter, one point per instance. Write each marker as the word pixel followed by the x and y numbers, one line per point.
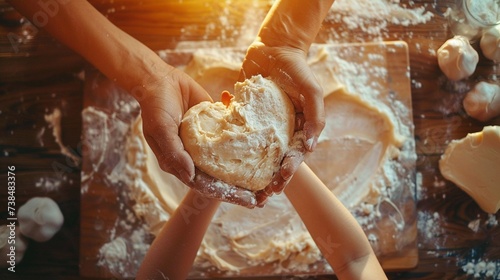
pixel 473 164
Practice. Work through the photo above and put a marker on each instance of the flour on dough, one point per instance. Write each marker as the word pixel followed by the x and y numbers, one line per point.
pixel 244 142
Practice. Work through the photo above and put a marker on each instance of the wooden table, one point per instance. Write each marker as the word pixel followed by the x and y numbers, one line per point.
pixel 37 75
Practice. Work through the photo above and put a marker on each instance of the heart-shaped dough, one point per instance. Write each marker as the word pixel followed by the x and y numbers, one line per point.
pixel 244 142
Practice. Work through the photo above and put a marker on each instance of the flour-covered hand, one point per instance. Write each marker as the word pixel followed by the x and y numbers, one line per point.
pixel 163 104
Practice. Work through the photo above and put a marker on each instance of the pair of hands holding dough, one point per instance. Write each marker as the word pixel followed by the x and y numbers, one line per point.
pixel 166 93
pixel 162 113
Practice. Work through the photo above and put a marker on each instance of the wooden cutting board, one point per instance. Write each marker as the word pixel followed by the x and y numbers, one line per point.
pixel 100 210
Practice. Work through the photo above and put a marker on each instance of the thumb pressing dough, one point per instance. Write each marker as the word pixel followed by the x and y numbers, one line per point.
pixel 241 141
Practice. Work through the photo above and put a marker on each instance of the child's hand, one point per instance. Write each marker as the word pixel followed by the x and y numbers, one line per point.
pixel 288 68
pixel 290 163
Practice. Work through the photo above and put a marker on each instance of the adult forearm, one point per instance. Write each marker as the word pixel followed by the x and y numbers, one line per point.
pixel 294 23
pixel 77 24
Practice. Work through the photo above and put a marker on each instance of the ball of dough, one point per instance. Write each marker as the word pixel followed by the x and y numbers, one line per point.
pixel 457 58
pixel 483 101
pixel 40 218
pixel 490 43
pixel 11 237
pixel 244 142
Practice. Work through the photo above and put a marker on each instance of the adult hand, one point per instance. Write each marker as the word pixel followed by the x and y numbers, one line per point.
pixel 288 68
pixel 280 52
pixel 163 103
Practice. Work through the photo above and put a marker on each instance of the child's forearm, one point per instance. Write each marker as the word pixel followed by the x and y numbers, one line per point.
pixel 293 23
pixel 85 30
pixel 335 231
pixel 173 251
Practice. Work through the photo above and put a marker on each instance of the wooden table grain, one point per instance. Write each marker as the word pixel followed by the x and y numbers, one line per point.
pixel 38 75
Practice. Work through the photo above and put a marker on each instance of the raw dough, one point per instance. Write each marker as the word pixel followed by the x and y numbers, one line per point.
pixel 357 138
pixel 457 58
pixel 472 164
pixel 10 237
pixel 483 101
pixel 244 142
pixel 40 218
pixel 490 43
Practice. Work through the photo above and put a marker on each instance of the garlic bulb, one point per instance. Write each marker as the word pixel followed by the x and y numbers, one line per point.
pixel 490 43
pixel 457 58
pixel 11 238
pixel 40 218
pixel 483 101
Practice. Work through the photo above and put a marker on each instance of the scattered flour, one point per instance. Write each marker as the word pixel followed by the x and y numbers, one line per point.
pixel 429 226
pixel 139 211
pixel 54 121
pixel 372 20
pixel 482 269
pixel 113 254
pixel 492 221
pixel 122 254
pixel 474 225
pixel 438 183
pixel 49 184
pixel 374 16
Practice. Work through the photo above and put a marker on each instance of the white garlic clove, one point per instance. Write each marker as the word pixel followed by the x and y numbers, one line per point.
pixel 457 58
pixel 483 101
pixel 40 218
pixel 12 245
pixel 490 43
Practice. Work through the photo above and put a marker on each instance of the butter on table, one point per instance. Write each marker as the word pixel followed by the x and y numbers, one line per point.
pixel 473 164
